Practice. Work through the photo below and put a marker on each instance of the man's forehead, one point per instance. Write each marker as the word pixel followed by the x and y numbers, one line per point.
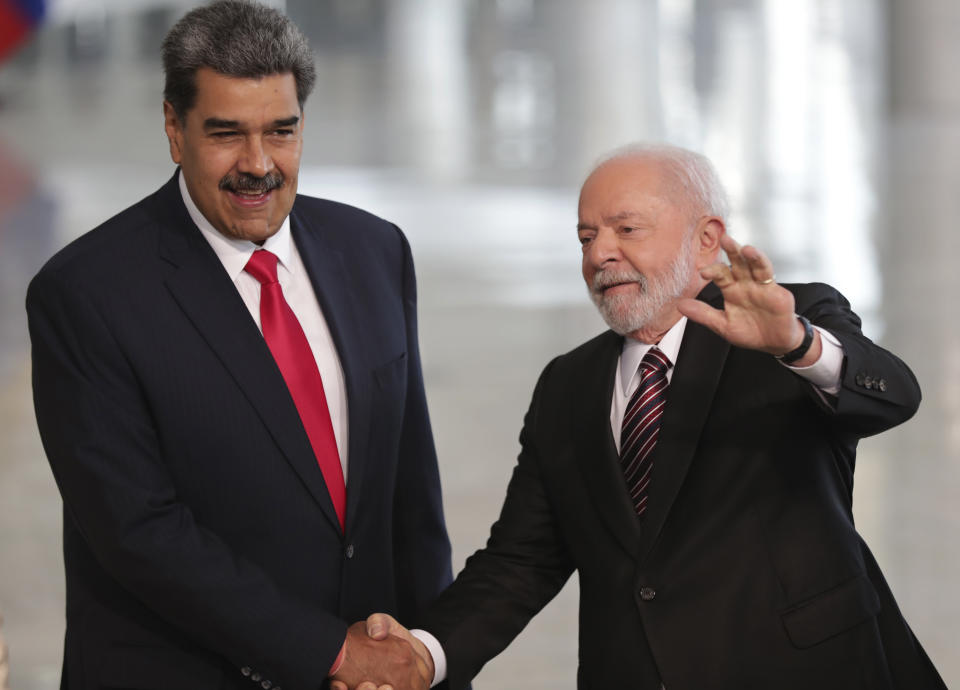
pixel 228 101
pixel 211 84
pixel 640 173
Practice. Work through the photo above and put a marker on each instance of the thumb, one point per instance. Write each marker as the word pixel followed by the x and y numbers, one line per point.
pixel 702 313
pixel 380 625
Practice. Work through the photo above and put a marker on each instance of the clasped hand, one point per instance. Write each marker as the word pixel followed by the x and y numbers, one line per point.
pixel 381 654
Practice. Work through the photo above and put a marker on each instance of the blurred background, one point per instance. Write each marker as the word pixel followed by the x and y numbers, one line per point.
pixel 471 123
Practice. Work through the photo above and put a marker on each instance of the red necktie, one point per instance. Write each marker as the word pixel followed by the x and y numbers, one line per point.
pixel 292 353
pixel 641 426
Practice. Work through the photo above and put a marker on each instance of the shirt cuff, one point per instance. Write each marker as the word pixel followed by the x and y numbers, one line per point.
pixel 825 372
pixel 436 651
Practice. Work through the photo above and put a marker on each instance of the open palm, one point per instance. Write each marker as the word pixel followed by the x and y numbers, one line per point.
pixel 758 314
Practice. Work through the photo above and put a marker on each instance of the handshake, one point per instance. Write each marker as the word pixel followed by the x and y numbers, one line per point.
pixel 381 654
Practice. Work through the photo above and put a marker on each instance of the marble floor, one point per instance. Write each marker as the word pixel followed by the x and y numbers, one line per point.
pixel 470 123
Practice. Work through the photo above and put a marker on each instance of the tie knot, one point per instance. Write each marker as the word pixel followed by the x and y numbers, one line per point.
pixel 655 360
pixel 263 266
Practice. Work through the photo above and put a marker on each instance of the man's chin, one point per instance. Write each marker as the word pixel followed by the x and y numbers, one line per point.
pixel 620 322
pixel 257 231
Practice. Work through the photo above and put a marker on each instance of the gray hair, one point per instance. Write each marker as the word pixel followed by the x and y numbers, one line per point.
pixel 237 38
pixel 693 175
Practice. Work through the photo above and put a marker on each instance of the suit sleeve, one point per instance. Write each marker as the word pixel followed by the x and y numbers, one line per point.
pixel 523 566
pixel 861 409
pixel 102 444
pixel 421 545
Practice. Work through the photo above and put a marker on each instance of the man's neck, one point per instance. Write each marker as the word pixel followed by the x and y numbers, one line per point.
pixel 651 334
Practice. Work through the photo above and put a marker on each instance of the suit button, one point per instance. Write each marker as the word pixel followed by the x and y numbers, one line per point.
pixel 255 677
pixel 246 671
pixel 882 385
pixel 868 382
pixel 349 551
pixel 266 685
pixel 859 379
pixel 648 593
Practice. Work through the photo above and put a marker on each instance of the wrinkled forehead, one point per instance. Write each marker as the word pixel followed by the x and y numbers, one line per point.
pixel 643 183
pixel 621 183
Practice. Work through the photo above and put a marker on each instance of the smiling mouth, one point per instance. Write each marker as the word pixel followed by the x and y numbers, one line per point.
pixel 250 199
pixel 616 285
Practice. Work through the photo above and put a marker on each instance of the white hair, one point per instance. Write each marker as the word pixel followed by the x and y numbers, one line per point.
pixel 693 174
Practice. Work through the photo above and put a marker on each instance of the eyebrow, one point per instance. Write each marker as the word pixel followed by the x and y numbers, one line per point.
pixel 287 121
pixel 217 123
pixel 615 218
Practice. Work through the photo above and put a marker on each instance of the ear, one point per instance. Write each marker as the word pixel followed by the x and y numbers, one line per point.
pixel 174 129
pixel 707 236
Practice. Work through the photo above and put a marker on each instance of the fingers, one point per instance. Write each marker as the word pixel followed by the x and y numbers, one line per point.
pixel 385 664
pixel 732 249
pixel 719 273
pixel 761 269
pixel 366 685
pixel 747 263
pixel 425 670
pixel 704 314
pixel 380 626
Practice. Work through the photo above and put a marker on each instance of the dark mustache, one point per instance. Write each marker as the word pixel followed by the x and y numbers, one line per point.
pixel 247 183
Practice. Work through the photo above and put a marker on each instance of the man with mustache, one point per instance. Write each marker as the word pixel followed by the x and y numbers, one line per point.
pixel 695 465
pixel 228 387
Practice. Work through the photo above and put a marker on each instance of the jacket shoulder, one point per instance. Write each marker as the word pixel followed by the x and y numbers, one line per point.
pixel 346 227
pixel 808 294
pixel 312 209
pixel 99 252
pixel 589 359
pixel 597 348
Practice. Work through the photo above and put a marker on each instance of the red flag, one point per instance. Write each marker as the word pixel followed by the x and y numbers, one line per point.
pixel 18 19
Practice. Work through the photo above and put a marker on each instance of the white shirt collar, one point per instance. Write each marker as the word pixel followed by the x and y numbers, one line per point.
pixel 234 253
pixel 633 352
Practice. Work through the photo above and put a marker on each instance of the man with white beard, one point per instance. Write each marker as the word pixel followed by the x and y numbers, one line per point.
pixel 694 465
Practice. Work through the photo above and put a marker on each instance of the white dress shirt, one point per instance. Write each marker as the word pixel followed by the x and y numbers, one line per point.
pixel 824 375
pixel 298 291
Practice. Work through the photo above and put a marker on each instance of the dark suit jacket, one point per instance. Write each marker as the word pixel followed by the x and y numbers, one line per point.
pixel 199 538
pixel 746 571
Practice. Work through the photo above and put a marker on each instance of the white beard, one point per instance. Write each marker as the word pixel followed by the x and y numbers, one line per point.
pixel 631 312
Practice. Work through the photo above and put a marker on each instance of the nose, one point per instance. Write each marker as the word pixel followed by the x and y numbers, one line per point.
pixel 255 159
pixel 603 250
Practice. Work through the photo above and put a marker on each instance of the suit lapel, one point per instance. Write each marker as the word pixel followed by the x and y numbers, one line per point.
pixel 595 448
pixel 689 398
pixel 205 293
pixel 331 282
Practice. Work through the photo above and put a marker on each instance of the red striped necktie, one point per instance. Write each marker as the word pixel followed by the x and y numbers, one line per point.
pixel 290 349
pixel 641 426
